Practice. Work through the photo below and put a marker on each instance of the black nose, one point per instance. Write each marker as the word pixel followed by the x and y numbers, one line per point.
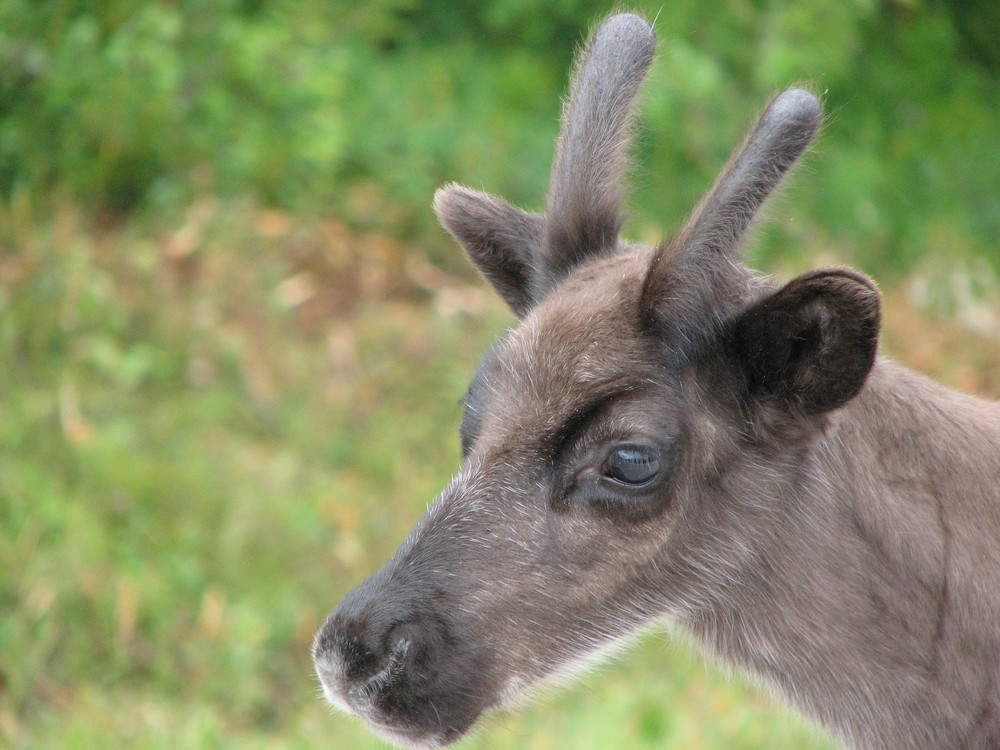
pixel 390 655
pixel 373 643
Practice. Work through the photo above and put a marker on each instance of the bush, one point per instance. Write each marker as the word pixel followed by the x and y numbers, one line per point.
pixel 362 109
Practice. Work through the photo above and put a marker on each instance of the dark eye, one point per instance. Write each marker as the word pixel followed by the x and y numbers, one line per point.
pixel 632 464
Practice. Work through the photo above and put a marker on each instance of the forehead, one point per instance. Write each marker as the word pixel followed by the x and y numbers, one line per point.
pixel 581 340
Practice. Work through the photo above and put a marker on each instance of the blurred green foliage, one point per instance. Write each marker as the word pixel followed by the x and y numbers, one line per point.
pixel 232 340
pixel 362 109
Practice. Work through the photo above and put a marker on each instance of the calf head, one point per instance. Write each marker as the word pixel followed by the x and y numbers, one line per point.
pixel 613 440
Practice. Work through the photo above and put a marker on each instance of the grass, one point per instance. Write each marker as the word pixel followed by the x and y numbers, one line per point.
pixel 211 431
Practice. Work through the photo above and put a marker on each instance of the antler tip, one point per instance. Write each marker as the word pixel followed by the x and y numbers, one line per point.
pixel 627 21
pixel 626 26
pixel 797 104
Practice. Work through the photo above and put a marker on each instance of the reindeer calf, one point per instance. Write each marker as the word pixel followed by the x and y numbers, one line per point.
pixel 666 435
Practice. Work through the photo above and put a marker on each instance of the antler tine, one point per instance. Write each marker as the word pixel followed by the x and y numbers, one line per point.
pixel 583 216
pixel 715 280
pixel 780 136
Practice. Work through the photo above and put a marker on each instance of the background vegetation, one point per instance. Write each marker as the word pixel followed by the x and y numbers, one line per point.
pixel 232 339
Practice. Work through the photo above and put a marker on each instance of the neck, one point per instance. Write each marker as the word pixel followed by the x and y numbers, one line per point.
pixel 873 601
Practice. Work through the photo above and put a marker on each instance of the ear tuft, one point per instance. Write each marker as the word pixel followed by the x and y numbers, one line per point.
pixel 501 240
pixel 811 344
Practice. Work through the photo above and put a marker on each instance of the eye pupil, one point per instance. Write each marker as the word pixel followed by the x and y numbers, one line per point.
pixel 632 465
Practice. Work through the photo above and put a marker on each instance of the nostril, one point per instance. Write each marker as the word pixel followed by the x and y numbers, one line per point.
pixel 393 666
pixel 412 633
pixel 419 646
pixel 354 646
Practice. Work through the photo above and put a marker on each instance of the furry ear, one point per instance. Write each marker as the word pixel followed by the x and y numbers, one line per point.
pixel 501 240
pixel 810 345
